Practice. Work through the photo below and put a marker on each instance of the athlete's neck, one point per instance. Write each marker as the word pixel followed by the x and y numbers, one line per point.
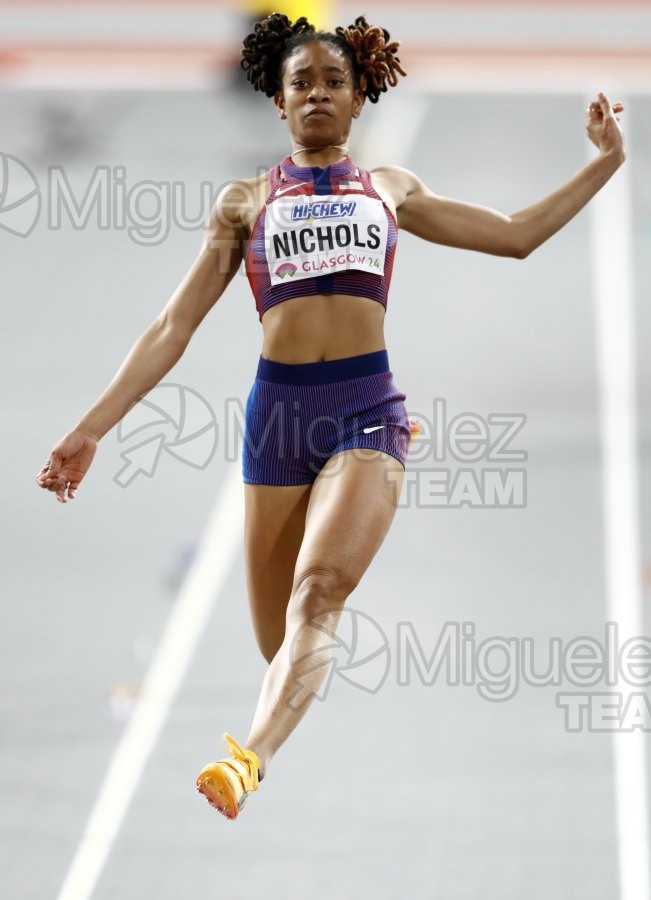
pixel 318 156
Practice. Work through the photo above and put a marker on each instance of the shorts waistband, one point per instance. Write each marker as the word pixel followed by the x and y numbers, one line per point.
pixel 325 371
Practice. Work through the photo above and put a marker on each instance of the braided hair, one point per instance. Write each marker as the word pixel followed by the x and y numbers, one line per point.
pixel 372 57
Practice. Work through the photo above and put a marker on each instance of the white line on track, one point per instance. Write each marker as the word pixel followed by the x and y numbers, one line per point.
pixel 185 626
pixel 612 263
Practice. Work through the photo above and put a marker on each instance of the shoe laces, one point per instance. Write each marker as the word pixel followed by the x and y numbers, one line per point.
pixel 237 752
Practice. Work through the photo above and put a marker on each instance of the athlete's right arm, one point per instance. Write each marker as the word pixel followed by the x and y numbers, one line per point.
pixel 161 345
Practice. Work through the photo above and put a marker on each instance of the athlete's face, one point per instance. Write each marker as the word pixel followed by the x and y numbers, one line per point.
pixel 318 97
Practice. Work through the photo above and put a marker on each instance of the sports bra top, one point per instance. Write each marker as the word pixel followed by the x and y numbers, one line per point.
pixel 321 231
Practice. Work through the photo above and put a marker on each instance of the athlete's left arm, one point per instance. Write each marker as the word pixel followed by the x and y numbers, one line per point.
pixel 472 227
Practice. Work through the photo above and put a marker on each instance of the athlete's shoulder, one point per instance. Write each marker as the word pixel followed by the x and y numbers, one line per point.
pixel 400 182
pixel 260 179
pixel 404 180
pixel 241 187
pixel 396 173
pixel 238 197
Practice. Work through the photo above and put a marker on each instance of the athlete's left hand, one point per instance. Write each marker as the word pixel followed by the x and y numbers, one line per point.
pixel 602 125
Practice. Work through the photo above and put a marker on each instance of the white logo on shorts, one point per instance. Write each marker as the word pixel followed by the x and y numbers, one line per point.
pixel 372 428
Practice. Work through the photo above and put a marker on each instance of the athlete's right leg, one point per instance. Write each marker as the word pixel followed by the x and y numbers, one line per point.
pixel 274 523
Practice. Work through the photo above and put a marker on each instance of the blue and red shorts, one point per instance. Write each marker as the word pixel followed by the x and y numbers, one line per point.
pixel 299 415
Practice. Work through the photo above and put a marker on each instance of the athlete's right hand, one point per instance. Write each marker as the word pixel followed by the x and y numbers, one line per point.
pixel 67 464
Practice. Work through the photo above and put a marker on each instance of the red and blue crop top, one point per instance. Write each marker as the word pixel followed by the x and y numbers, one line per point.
pixel 321 231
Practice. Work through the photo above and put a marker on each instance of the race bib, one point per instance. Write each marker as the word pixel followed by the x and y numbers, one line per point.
pixel 308 236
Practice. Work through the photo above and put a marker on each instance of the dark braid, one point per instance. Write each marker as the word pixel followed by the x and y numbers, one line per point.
pixel 265 47
pixel 372 58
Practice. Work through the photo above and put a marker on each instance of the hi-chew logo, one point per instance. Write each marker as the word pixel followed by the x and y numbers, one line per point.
pixel 323 209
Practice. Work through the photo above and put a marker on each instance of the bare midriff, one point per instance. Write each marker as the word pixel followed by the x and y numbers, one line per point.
pixel 322 327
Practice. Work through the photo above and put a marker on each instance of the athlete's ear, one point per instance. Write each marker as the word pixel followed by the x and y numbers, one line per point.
pixel 358 103
pixel 279 101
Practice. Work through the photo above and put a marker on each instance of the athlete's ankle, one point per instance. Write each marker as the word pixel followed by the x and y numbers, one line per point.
pixel 264 758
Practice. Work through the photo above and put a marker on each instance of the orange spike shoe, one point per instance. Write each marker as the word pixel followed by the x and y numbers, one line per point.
pixel 227 783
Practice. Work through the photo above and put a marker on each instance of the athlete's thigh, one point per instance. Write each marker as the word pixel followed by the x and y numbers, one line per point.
pixel 351 507
pixel 274 522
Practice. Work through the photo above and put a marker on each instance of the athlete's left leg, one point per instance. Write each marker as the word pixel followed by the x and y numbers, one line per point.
pixel 352 504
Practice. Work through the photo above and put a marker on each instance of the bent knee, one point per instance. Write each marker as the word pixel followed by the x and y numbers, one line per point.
pixel 318 591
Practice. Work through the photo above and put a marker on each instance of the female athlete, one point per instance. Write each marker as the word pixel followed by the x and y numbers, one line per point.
pixel 326 428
